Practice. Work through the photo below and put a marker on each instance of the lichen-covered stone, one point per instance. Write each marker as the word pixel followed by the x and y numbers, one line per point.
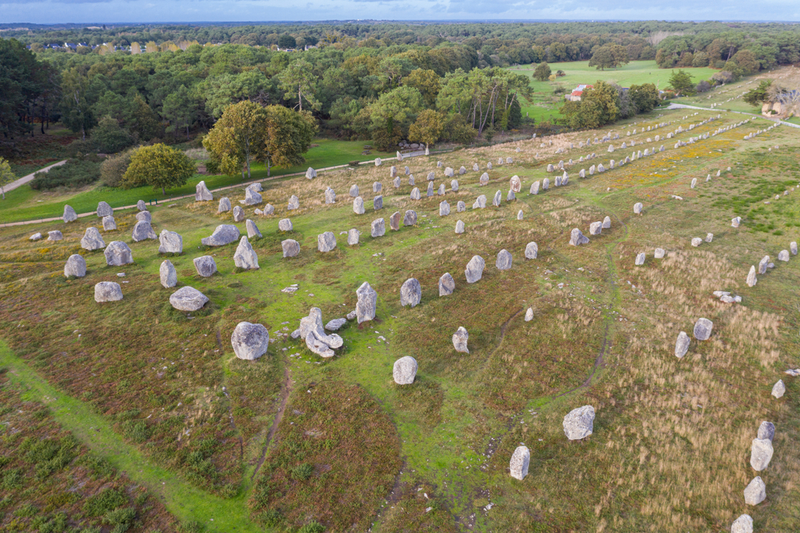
pixel 205 265
pixel 579 423
pixel 405 370
pixel 474 270
pixel 188 299
pixel 118 253
pixel 290 247
pixel 410 293
pixel 167 274
pixel 249 341
pixel 460 340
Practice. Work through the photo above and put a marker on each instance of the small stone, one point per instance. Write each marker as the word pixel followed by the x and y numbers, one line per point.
pixel 637 208
pixel 294 203
pixel 474 270
pixel 92 240
pixel 697 241
pixel 223 234
pixel 107 291
pixel 285 224
pixel 520 461
pixel 268 210
pixel 109 224
pixel 607 223
pixel 760 454
pixel 755 492
pixel 405 370
pixel 353 236
pixel 366 304
pixel 535 188
pixel 763 265
pixel 702 329
pixel 783 255
pixel 141 206
pixel 311 173
pixel 779 389
pixel 480 202
pixel 484 179
pixel 460 339
pixel 709 237
pixel 793 247
pixel 430 189
pixel 330 196
pixel 520 215
pixel 515 184
pixel 736 221
pixel 378 228
pixel 291 248
pixel 249 341
pixel 577 238
pixel 336 324
pixel 531 250
pixel 640 259
pixel 461 207
pixel 595 228
pixel 459 227
pixel 454 185
pixel 446 284
pixel 75 266
pixel 415 193
pixel 238 214
pixel 252 197
pixel 410 293
pixel 659 253
pixel 118 253
pixel 54 235
pixel 579 423
pixel 358 206
pixel 504 260
pixel 529 314
pixel 498 197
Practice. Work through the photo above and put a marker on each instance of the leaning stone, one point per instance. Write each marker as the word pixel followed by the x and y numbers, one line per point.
pixel 69 214
pixel 595 228
pixel 249 341
pixel 531 250
pixel 779 389
pixel 743 524
pixel 252 229
pixel 751 277
pixel 783 255
pixel 75 266
pixel 366 304
pixel 444 209
pixel 205 265
pixel 109 224
pixel 755 492
pixel 682 344
pixel 459 227
pixel 446 284
pixel 460 339
pixel 378 227
pixel 104 210
pixel 238 214
pixel 187 298
pixel 201 193
pixel 577 238
pixel 290 247
pixel 404 370
pixel 410 293
pixel 326 242
pixel 92 240
pixel 394 221
pixel 245 257
pixel 474 270
pixel 579 423
pixel 504 260
pixel 760 454
pixel 410 218
pixel 766 431
pixel 143 231
pixel 640 259
pixel 285 224
pixel 223 234
pixel 294 203
pixel 107 291
pixel 702 329
pixel 170 242
pixel 520 462
pixel 54 235
pixel 118 253
pixel 168 275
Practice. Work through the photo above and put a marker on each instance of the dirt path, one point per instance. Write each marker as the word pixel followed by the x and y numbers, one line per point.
pixel 286 390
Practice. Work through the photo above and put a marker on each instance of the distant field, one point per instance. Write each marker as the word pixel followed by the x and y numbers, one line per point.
pixel 545 105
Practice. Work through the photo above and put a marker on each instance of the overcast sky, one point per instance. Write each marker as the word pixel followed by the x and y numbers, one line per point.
pixel 109 11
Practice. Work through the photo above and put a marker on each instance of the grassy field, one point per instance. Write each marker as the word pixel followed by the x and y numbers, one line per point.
pixel 24 203
pixel 293 442
pixel 545 105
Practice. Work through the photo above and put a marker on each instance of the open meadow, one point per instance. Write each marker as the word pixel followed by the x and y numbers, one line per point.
pixel 296 442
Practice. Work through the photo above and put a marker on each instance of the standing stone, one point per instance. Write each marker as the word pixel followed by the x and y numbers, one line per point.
pixel 285 224
pixel 444 209
pixel 92 240
pixel 783 255
pixel 448 172
pixel 440 191
pixel 697 241
pixel 69 214
pixel 579 423
pixel 415 194
pixel 637 208
pixel 529 314
pixel 205 265
pixel 430 189
pixel 659 253
pixel 378 162
pixel 358 206
pixel 410 293
pixel 224 205
pixel 682 344
pixel 640 259
pixel 394 221
pixel 498 196
pixel 393 172
pixel 404 370
pixel 353 236
pixel 118 253
pixel 326 241
pixel 760 454
pixel 143 231
pixel 377 186
pixel 474 270
pixel 294 203
pixel 793 247
pixel 516 184
pixel 755 492
pixel 396 182
pixel 460 339
pixel 311 173
pixel 330 196
pixel 446 284
pixel 751 277
pixel 480 202
pixel 410 218
pixel 489 165
pixel 291 248
pixel 511 196
pixel 54 235
pixel 252 229
pixel 245 257
pixel 709 237
pixel 431 175
pixel 702 329
pixel 520 462
pixel 378 227
pixel 366 304
pixel 535 188
pixel 168 275
pixel 475 167
pixel 582 173
pixel 545 184
pixel 252 197
pixel 577 238
pixel 461 207
pixel 249 341
pixel 454 185
pixel 595 228
pixel 201 193
pixel 763 264
pixel 503 260
pixel 484 179
pixel 109 224
pixel 779 389
pixel 238 214
pixel 459 227
pixel 766 431
pixel 354 190
pixel 104 210
pixel 736 221
pixel 607 222
pixel 268 210
pixel 75 266
pixel 462 171
pixel 743 524
pixel 377 203
pixel 694 182
pixel 107 291
pixel 531 250
pixel 520 215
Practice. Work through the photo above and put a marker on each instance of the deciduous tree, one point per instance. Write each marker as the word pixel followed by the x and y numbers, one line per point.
pixel 6 176
pixel 238 137
pixel 160 166
pixel 427 128
pixel 542 71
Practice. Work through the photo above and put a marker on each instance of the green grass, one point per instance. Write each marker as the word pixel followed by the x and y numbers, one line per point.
pixel 24 203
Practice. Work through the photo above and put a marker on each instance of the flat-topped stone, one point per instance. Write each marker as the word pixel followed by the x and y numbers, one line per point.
pixel 75 266
pixel 290 247
pixel 118 253
pixel 107 291
pixel 187 299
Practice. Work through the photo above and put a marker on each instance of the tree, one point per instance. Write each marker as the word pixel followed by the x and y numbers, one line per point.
pixel 23 80
pixel 160 166
pixel 6 176
pixel 747 62
pixel 76 112
pixel 645 97
pixel 287 136
pixel 599 105
pixel 298 80
pixel 109 137
pixel 238 137
pixel 287 41
pixel 112 169
pixel 681 83
pixel 608 56
pixel 542 71
pixel 180 109
pixel 398 107
pixel 427 128
pixel 759 95
pixel 427 82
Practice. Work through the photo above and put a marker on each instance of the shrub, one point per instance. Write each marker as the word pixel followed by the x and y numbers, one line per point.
pixel 74 173
pixel 12 479
pixel 113 168
pixel 312 527
pixel 302 472
pixel 122 519
pixel 703 87
pixel 458 131
pixel 103 502
pixel 137 431
pixel 109 137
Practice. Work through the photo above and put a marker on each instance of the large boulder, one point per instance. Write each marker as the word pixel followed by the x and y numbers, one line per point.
pixel 760 454
pixel 410 293
pixel 168 275
pixel 312 331
pixel 92 240
pixel 104 210
pixel 702 329
pixel 118 253
pixel 291 248
pixel 205 265
pixel 107 291
pixel 520 461
pixel 69 214
pixel 446 284
pixel 577 238
pixel 682 344
pixel 223 234
pixel 755 492
pixel 170 243
pixel 367 303
pixel 188 299
pixel 201 193
pixel 252 229
pixel 245 257
pixel 143 231
pixel 579 423
pixel 109 224
pixel 460 340
pixel 474 270
pixel 503 260
pixel 75 266
pixel 249 341
pixel 405 370
pixel 326 242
